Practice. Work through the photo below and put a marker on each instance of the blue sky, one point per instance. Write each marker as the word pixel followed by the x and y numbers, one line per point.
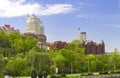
pixel 61 18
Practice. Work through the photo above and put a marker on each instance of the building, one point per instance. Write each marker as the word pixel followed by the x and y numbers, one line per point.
pixel 35 28
pixel 57 45
pixel 34 25
pixel 8 29
pixel 94 48
pixel 42 38
pixel 81 35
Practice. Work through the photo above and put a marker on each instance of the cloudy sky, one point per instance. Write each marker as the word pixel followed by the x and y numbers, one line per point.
pixel 62 18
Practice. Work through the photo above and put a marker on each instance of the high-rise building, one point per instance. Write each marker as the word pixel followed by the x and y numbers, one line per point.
pixel 34 25
pixel 81 35
pixel 35 28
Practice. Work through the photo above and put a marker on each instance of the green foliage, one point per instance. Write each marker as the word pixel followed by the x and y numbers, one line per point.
pixel 33 74
pixel 14 43
pixel 21 54
pixel 1 75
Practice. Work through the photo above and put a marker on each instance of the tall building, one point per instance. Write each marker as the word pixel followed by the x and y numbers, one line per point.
pixel 34 25
pixel 81 35
pixel 35 28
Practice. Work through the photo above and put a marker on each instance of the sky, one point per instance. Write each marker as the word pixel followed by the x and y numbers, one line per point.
pixel 100 19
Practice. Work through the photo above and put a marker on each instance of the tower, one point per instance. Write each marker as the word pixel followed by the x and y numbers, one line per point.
pixel 35 28
pixel 81 35
pixel 34 25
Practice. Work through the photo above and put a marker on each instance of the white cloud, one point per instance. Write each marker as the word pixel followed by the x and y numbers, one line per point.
pixel 115 25
pixel 56 9
pixel 14 8
pixel 111 25
pixel 82 16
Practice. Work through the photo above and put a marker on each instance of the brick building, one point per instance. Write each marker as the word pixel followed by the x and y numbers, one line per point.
pixel 94 48
pixel 57 45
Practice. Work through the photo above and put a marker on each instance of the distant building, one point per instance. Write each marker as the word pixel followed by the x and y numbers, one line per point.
pixel 60 44
pixel 94 48
pixel 35 28
pixel 34 25
pixel 42 38
pixel 8 29
pixel 57 45
pixel 81 35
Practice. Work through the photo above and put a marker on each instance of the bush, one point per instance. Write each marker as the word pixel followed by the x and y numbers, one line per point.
pixel 1 76
pixel 59 77
pixel 33 74
pixel 84 74
pixel 90 73
pixel 8 72
pixel 115 71
pixel 63 75
pixel 53 76
pixel 96 74
pixel 103 72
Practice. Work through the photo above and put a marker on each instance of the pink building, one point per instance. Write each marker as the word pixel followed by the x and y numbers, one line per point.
pixel 9 29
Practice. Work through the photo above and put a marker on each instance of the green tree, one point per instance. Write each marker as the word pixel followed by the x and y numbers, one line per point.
pixel 58 62
pixel 114 60
pixel 17 65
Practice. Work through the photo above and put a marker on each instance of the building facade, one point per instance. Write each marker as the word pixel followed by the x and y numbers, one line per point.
pixel 94 48
pixel 34 25
pixel 82 35
pixel 35 28
pixel 8 29
pixel 57 45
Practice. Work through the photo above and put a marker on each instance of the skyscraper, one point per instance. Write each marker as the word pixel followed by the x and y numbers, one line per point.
pixel 35 28
pixel 34 25
pixel 81 35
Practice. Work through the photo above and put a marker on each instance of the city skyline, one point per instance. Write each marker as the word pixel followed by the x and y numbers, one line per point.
pixel 61 19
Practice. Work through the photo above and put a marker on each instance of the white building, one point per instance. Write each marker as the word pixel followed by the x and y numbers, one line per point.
pixel 81 35
pixel 34 25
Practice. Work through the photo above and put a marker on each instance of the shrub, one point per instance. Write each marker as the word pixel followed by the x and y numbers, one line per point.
pixel 84 74
pixel 53 76
pixel 63 75
pixel 115 71
pixel 33 74
pixel 90 73
pixel 96 74
pixel 1 75
pixel 103 72
pixel 8 72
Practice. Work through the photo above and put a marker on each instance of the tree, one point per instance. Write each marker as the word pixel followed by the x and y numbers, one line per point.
pixel 114 60
pixel 58 61
pixel 17 65
pixel 74 56
pixel 91 63
pixel 1 63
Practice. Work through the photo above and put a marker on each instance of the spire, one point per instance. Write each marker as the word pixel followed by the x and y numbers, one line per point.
pixel 79 33
pixel 79 29
pixel 27 15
